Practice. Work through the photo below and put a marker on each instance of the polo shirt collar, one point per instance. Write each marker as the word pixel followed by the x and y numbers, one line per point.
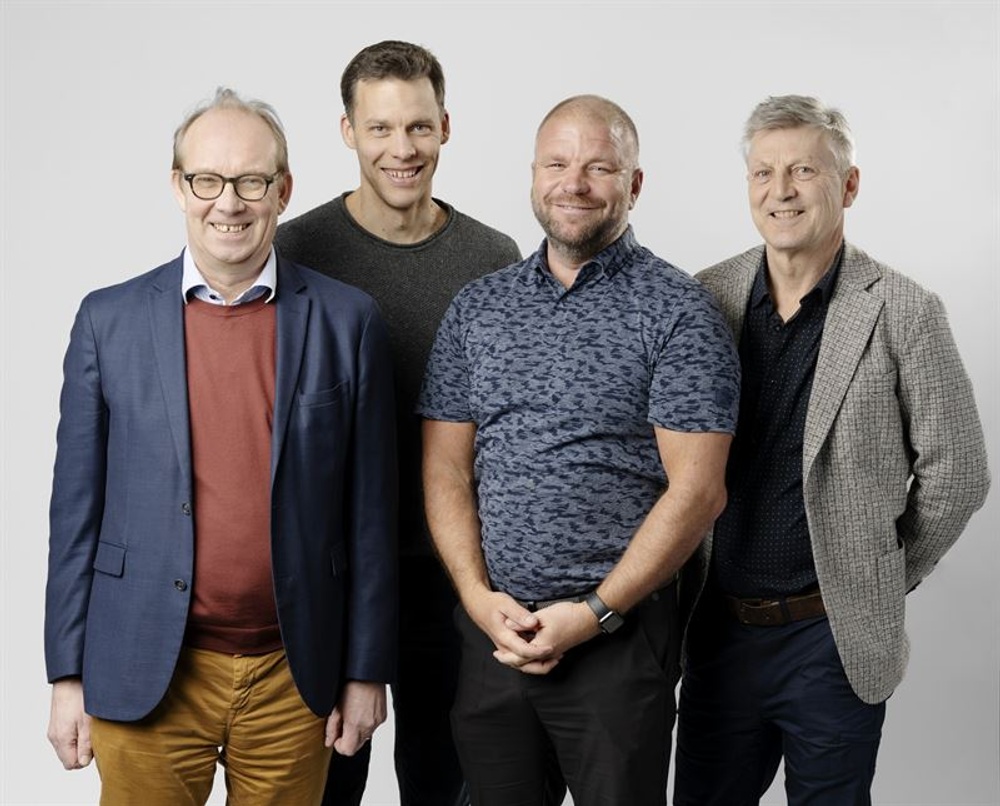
pixel 607 262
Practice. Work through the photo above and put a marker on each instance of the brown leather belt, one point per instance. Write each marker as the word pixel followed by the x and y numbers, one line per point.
pixel 775 612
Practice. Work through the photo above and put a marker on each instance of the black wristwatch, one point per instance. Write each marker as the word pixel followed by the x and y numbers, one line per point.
pixel 607 619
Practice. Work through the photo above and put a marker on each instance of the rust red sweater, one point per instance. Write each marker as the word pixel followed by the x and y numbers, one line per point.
pixel 230 375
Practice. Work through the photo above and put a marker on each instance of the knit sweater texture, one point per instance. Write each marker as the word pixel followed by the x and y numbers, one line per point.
pixel 230 366
pixel 413 285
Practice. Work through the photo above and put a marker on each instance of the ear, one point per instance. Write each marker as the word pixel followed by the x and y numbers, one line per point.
pixel 636 187
pixel 347 132
pixel 851 186
pixel 285 193
pixel 177 183
pixel 445 127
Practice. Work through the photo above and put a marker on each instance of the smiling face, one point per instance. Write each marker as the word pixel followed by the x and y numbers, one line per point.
pixel 797 193
pixel 397 129
pixel 584 182
pixel 230 238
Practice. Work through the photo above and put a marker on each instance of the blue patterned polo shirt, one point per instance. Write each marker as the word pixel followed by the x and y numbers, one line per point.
pixel 565 386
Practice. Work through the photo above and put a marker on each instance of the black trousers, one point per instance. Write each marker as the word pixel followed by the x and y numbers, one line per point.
pixel 427 767
pixel 605 713
pixel 752 695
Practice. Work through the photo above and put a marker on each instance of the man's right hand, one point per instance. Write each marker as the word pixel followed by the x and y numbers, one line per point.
pixel 69 725
pixel 512 630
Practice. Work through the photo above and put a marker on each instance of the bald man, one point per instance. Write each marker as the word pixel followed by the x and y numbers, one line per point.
pixel 560 395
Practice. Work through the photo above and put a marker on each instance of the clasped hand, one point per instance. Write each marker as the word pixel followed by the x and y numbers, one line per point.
pixel 532 642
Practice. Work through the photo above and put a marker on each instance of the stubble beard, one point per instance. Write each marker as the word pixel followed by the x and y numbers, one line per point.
pixel 578 245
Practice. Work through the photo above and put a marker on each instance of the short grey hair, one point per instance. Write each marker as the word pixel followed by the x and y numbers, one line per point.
pixel 226 98
pixel 792 111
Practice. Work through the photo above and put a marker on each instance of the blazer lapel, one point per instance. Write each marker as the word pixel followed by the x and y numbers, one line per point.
pixel 166 319
pixel 292 320
pixel 733 297
pixel 850 320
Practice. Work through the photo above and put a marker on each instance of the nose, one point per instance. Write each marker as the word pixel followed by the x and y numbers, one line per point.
pixel 783 187
pixel 229 202
pixel 574 181
pixel 402 146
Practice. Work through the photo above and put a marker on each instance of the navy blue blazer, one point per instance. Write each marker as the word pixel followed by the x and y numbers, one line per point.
pixel 121 548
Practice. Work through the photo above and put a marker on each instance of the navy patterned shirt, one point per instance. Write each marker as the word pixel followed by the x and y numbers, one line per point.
pixel 565 386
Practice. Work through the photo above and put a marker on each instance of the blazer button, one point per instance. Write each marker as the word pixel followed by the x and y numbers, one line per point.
pixel 181 585
pixel 186 508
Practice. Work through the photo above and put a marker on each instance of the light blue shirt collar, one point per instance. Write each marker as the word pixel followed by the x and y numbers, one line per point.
pixel 192 282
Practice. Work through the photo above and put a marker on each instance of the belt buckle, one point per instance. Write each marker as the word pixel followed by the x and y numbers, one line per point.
pixel 744 612
pixel 757 612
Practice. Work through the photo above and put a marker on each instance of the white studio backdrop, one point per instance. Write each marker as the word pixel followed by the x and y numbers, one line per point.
pixel 92 92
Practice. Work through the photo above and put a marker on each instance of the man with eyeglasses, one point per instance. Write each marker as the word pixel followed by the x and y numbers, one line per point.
pixel 222 582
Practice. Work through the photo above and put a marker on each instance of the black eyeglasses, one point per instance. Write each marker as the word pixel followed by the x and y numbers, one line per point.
pixel 249 187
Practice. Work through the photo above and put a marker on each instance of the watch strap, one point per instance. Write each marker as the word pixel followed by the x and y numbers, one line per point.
pixel 607 619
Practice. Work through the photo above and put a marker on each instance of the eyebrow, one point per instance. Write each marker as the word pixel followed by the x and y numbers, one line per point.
pixel 386 122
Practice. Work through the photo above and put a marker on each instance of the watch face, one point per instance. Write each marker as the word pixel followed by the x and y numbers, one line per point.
pixel 611 622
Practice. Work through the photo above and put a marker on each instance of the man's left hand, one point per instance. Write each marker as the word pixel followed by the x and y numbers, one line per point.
pixel 561 626
pixel 361 709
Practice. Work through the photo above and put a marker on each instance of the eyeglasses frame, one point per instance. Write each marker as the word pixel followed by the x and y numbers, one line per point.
pixel 230 180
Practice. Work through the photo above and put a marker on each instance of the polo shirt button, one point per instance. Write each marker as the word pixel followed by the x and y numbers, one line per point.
pixel 186 508
pixel 181 585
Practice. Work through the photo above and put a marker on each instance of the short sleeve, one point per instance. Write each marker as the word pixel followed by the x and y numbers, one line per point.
pixel 695 376
pixel 445 393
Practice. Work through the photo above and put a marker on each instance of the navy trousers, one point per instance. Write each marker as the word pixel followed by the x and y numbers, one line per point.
pixel 751 695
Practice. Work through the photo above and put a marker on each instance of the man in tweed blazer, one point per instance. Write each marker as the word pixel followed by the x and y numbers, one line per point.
pixel 858 460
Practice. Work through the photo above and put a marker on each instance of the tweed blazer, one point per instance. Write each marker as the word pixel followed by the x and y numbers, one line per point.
pixel 893 455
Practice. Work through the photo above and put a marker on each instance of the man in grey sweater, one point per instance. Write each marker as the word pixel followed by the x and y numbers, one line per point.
pixel 412 253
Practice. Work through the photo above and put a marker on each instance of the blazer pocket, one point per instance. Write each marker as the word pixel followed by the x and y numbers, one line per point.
pixel 110 559
pixel 323 397
pixel 875 377
pixel 891 568
pixel 871 410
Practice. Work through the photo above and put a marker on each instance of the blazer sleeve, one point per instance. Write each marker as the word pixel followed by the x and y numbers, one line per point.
pixel 372 503
pixel 948 452
pixel 77 504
